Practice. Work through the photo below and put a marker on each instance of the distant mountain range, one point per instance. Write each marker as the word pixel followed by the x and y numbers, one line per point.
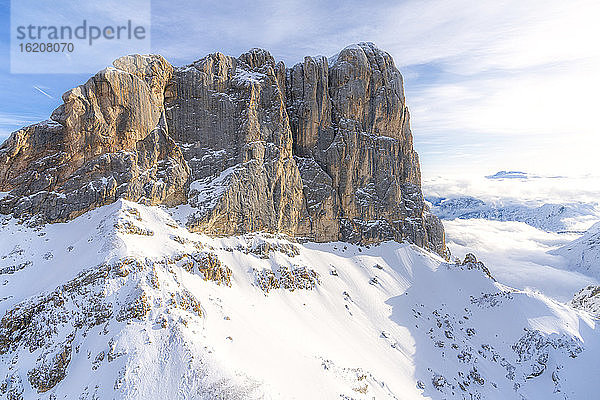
pixel 508 175
pixel 548 217
pixel 517 175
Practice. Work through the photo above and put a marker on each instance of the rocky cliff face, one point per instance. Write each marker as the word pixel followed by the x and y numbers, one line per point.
pixel 352 137
pixel 229 117
pixel 322 150
pixel 107 141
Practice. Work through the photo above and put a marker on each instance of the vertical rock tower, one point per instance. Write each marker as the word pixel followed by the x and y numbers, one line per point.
pixel 322 150
pixel 354 148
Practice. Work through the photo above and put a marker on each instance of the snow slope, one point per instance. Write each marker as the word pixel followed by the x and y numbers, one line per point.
pixel 123 302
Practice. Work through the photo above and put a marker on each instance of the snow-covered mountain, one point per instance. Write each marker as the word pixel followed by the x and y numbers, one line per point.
pixel 123 302
pixel 583 254
pixel 236 229
pixel 547 217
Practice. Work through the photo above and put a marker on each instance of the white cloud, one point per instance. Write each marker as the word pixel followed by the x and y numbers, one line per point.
pixel 8 119
pixel 504 71
pixel 517 255
pixel 505 34
pixel 491 85
pixel 515 87
pixel 548 101
pixel 11 122
pixel 533 192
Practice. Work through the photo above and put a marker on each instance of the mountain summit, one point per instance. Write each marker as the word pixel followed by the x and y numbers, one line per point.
pixel 322 150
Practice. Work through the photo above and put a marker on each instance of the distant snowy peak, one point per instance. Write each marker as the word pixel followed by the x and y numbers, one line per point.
pixel 583 254
pixel 548 217
pixel 509 175
pixel 520 175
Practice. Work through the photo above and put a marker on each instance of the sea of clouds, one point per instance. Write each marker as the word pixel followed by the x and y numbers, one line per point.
pixel 516 252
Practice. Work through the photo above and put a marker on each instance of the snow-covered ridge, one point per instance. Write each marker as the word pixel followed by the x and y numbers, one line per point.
pixel 583 254
pixel 123 302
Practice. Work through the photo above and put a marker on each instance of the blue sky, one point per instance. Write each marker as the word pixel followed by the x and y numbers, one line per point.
pixel 490 85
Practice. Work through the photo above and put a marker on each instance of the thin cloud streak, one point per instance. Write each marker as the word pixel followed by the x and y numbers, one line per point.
pixel 43 92
pixel 12 122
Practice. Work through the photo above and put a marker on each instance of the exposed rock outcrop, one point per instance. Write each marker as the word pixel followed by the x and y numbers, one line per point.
pixel 107 141
pixel 228 115
pixel 322 150
pixel 351 126
pixel 588 299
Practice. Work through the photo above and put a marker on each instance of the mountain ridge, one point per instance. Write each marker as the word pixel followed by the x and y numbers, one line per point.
pixel 139 307
pixel 551 217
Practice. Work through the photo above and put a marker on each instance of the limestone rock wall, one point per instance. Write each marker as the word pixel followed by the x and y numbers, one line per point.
pixel 229 117
pixel 322 150
pixel 351 127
